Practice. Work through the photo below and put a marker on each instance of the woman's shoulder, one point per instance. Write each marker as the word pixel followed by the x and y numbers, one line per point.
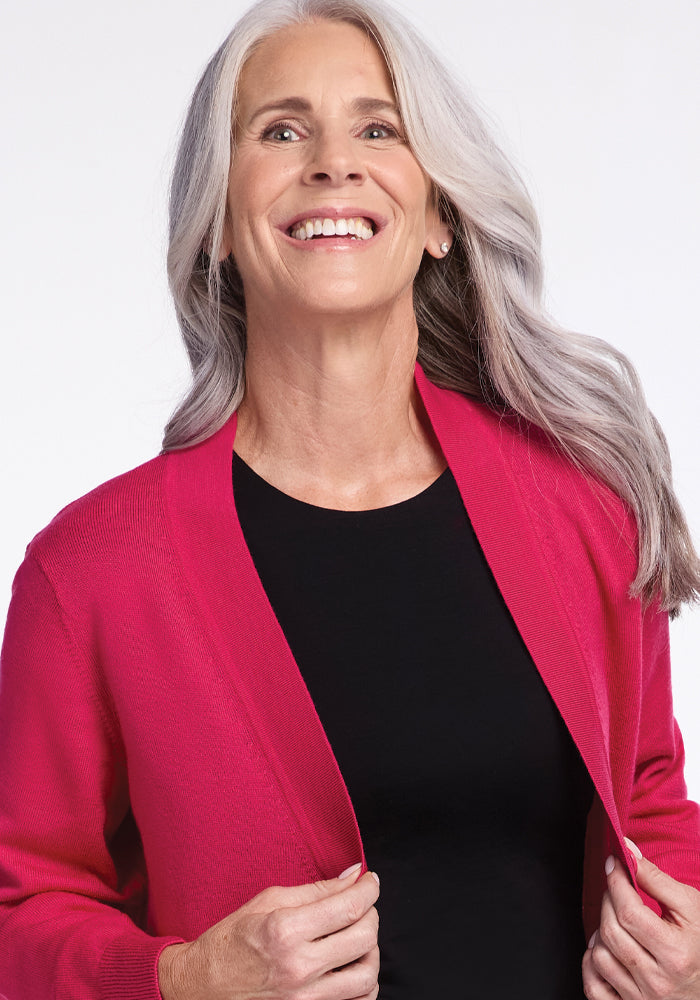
pixel 520 450
pixel 586 530
pixel 581 536
pixel 118 511
pixel 125 532
pixel 575 515
pixel 99 550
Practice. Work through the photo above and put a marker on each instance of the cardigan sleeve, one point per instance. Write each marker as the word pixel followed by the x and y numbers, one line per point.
pixel 72 884
pixel 663 822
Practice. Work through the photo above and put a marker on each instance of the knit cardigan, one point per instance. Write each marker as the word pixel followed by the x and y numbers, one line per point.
pixel 161 760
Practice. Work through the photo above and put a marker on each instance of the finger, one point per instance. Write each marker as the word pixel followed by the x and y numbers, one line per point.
pixel 633 956
pixel 348 945
pixel 679 901
pixel 327 916
pixel 641 923
pixel 594 986
pixel 323 916
pixel 357 980
pixel 612 971
pixel 275 897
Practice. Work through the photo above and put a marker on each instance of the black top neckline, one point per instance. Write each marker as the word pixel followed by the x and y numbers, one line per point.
pixel 275 494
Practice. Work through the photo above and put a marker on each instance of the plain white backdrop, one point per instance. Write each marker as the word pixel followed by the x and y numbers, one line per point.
pixel 597 102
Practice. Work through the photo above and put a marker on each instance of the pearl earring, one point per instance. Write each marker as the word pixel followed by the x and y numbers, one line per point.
pixel 444 247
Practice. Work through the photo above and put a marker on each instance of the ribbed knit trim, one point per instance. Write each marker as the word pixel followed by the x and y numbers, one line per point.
pixel 129 967
pixel 510 543
pixel 253 649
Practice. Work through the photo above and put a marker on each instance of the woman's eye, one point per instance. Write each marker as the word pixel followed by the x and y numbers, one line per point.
pixel 378 131
pixel 281 133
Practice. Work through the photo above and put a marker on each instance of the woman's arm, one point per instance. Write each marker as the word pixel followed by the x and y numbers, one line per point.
pixel 662 821
pixel 72 876
pixel 648 948
pixel 70 885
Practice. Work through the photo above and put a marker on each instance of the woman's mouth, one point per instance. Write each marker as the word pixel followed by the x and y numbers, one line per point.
pixel 353 228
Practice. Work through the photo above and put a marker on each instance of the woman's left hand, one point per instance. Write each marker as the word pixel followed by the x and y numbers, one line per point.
pixel 637 955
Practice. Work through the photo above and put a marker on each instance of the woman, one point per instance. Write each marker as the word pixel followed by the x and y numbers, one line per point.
pixel 501 724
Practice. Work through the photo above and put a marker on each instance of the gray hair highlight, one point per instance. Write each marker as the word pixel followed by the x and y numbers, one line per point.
pixel 483 330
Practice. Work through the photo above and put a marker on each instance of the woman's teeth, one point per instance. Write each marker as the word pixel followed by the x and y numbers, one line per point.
pixel 356 229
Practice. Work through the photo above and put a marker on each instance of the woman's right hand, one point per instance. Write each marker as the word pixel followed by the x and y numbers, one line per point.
pixel 309 942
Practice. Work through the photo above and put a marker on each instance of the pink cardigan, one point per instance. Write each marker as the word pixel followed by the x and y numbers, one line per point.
pixel 147 689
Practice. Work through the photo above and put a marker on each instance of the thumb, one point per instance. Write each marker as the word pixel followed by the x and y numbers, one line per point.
pixel 676 898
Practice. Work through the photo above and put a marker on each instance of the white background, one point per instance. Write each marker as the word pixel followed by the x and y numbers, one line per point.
pixel 597 99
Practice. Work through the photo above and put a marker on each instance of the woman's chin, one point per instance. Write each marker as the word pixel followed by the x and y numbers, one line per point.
pixel 341 300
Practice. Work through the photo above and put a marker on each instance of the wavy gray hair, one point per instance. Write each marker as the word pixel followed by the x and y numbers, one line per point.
pixel 482 327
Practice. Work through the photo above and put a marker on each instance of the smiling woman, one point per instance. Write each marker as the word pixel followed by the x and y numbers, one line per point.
pixel 330 164
pixel 395 594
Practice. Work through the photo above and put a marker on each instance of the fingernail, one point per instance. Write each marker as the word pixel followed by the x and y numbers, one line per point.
pixel 375 877
pixel 351 870
pixel 633 848
pixel 594 935
pixel 609 865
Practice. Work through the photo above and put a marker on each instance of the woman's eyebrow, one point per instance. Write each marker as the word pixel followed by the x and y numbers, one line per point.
pixel 366 105
pixel 374 105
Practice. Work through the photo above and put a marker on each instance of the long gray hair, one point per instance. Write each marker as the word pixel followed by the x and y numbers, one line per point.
pixel 482 327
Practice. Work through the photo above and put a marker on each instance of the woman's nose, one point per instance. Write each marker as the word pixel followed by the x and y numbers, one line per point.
pixel 336 160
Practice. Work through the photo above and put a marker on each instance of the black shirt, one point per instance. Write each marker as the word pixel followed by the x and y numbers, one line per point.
pixel 470 795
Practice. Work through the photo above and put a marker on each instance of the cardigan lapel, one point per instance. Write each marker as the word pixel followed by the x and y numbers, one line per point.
pixel 472 442
pixel 253 650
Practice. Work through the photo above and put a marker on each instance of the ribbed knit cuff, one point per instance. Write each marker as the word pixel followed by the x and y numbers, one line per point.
pixel 129 967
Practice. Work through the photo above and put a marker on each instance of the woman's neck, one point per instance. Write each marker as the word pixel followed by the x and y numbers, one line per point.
pixel 332 416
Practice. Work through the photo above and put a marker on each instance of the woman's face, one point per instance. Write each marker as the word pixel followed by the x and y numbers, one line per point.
pixel 328 208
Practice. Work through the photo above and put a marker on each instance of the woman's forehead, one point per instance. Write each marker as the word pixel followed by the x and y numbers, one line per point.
pixel 305 60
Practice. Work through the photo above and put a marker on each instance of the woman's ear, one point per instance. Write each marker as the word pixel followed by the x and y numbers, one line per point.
pixel 439 237
pixel 439 240
pixel 225 247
